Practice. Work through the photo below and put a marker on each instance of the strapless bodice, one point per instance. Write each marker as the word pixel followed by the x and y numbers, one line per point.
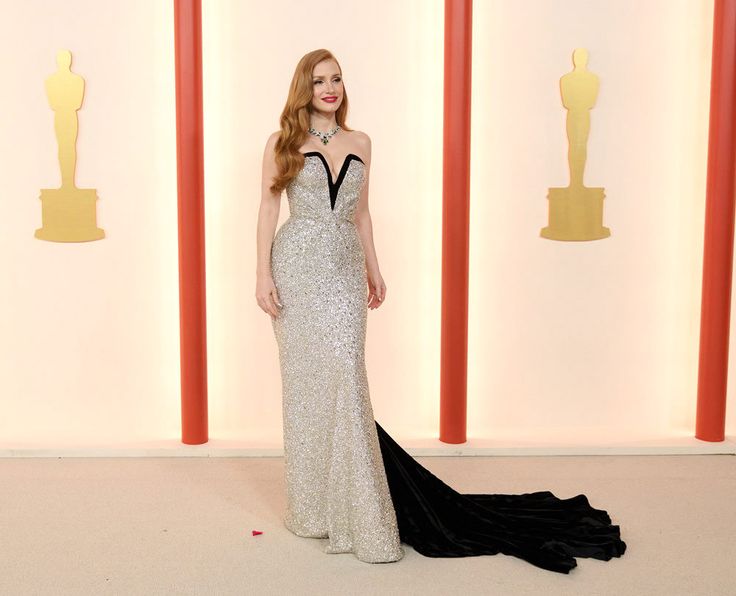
pixel 314 194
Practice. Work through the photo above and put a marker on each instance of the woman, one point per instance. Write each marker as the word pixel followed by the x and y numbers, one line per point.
pixel 346 479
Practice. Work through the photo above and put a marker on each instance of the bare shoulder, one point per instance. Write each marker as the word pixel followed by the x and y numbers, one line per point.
pixel 362 142
pixel 272 139
pixel 269 150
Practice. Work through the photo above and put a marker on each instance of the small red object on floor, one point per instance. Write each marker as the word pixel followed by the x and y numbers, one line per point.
pixel 256 532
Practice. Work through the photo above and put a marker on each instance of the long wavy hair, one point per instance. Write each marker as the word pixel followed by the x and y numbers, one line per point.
pixel 295 119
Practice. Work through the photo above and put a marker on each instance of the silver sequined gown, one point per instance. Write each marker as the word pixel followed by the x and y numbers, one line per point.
pixel 346 478
pixel 335 480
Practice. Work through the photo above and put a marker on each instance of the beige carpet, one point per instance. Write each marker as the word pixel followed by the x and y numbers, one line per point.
pixel 183 526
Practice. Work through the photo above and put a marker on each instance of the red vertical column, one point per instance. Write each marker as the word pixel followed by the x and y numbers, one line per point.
pixel 455 221
pixel 190 183
pixel 710 420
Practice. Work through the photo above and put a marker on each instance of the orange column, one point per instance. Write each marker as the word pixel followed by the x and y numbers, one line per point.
pixel 710 419
pixel 455 220
pixel 190 183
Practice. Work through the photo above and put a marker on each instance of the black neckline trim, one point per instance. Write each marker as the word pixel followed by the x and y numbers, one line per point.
pixel 334 187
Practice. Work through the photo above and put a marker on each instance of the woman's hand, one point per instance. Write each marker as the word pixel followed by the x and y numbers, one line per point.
pixel 267 296
pixel 376 289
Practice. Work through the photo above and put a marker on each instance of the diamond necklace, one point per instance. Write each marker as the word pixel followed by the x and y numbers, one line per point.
pixel 325 136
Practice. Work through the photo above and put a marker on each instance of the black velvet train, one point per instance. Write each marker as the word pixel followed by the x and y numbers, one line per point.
pixel 438 521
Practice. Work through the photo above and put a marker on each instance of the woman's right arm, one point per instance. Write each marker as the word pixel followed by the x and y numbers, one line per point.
pixel 268 216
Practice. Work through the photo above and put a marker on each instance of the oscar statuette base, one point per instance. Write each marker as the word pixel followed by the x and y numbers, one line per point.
pixel 69 215
pixel 575 213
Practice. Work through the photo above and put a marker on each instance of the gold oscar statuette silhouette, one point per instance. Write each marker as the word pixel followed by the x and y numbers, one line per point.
pixel 576 212
pixel 68 213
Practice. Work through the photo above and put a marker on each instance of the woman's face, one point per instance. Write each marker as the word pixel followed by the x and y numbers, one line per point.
pixel 327 87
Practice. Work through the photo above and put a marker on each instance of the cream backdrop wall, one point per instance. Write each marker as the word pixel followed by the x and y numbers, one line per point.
pixel 594 341
pixel 584 341
pixel 89 332
pixel 391 54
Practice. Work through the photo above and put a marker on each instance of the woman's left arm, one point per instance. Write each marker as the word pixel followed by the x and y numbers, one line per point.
pixel 364 225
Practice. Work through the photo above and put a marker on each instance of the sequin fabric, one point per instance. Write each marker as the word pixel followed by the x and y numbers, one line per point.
pixel 336 484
